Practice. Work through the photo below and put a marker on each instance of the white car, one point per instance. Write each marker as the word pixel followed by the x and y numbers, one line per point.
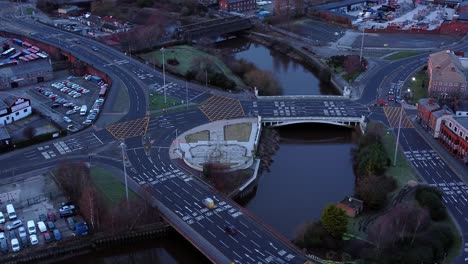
pixel 31 227
pixel 70 112
pixel 76 95
pixel 2 218
pixel 42 227
pixel 85 91
pixel 2 235
pixel 67 119
pixel 15 246
pixel 87 122
pixel 33 239
pixel 15 224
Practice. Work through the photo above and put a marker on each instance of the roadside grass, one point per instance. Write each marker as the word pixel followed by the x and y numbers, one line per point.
pixel 239 132
pixel 30 10
pixel 112 189
pixel 401 55
pixel 416 86
pixel 157 102
pixel 186 55
pixel 199 136
pixel 122 101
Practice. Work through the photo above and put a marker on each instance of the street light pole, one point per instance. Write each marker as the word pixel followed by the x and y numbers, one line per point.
pixel 123 146
pixel 362 40
pixel 186 93
pixel 398 137
pixel 164 75
pixel 206 78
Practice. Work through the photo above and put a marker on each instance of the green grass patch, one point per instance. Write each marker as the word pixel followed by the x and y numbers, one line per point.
pixel 157 102
pixel 199 136
pixel 30 10
pixel 401 55
pixel 111 188
pixel 239 132
pixel 186 55
pixel 351 75
pixel 419 85
pixel 122 102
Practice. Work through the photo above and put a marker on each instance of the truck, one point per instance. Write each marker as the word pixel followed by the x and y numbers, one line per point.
pixel 208 202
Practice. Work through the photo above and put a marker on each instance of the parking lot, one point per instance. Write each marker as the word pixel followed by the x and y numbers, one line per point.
pixel 34 199
pixel 77 100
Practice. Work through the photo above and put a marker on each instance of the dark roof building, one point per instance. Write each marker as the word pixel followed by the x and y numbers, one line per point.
pixel 25 73
pixel 237 5
pixel 351 206
pixel 5 140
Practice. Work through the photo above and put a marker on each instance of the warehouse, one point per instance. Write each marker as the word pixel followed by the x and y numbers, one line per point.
pixel 24 73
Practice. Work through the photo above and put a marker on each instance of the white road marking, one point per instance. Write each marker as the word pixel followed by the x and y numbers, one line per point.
pixel 211 234
pixel 102 143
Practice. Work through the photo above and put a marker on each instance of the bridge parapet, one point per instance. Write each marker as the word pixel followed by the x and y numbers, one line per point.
pixel 340 121
pixel 303 97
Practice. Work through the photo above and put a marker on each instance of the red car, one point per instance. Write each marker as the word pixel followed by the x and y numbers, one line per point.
pixel 391 98
pixel 230 229
pixel 381 102
pixel 51 216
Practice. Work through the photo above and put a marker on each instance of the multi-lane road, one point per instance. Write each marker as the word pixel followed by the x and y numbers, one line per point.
pixel 178 194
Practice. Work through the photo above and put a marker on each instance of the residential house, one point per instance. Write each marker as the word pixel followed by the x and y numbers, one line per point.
pixel 425 107
pixel 447 77
pixel 237 5
pixel 435 120
pixel 351 206
pixel 454 136
pixel 14 108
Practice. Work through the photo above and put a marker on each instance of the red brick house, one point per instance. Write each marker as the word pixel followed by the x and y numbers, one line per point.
pixel 446 76
pixel 454 136
pixel 435 120
pixel 237 5
pixel 425 107
pixel 351 206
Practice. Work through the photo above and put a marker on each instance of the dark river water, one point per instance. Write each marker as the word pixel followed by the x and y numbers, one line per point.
pixel 294 78
pixel 311 169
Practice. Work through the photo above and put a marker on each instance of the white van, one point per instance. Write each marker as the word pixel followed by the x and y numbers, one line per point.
pixel 31 227
pixel 2 218
pixel 83 110
pixel 11 211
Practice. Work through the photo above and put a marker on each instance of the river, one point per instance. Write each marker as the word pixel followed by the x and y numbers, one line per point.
pixel 294 77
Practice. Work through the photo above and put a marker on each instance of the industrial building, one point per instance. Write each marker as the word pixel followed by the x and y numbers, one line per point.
pixel 237 5
pixel 22 73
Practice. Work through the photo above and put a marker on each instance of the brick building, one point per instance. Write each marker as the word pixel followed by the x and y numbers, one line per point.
pixel 25 73
pixel 447 77
pixel 237 5
pixel 435 120
pixel 351 206
pixel 454 136
pixel 425 107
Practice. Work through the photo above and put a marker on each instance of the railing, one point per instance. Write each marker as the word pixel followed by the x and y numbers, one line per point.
pixel 303 97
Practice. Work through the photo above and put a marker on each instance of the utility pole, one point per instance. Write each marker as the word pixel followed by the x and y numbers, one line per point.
pixel 164 75
pixel 123 146
pixel 206 78
pixel 186 93
pixel 362 40
pixel 398 138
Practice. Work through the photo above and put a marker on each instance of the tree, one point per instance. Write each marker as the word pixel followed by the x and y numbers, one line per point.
pixel 371 160
pixel 373 190
pixel 334 220
pixel 73 176
pixel 90 206
pixel 431 198
pixel 29 132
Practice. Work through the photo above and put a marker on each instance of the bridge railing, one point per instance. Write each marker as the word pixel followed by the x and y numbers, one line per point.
pixel 324 118
pixel 305 97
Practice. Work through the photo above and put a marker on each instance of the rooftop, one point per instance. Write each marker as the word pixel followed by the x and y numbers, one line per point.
pixel 352 202
pixel 441 112
pixel 463 120
pixel 339 4
pixel 429 103
pixel 4 133
pixel 446 65
pixel 25 67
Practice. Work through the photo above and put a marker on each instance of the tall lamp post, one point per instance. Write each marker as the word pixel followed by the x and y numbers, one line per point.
pixel 164 74
pixel 123 146
pixel 398 138
pixel 362 40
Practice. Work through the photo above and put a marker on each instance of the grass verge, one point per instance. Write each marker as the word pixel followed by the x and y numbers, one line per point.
pixel 239 132
pixel 401 55
pixel 157 102
pixel 112 189
pixel 419 85
pixel 199 136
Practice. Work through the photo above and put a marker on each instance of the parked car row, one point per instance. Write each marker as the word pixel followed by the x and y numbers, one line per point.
pixel 72 89
pixel 99 83
pixel 58 101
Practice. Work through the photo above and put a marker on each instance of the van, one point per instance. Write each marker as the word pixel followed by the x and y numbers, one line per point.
pixel 83 110
pixel 11 211
pixel 31 227
pixel 2 218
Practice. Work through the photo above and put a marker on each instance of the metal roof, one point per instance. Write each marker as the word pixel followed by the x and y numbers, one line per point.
pixel 4 133
pixel 462 120
pixel 25 67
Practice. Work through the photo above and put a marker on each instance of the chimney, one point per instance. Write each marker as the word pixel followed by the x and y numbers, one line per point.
pixel 448 51
pixel 452 68
pixel 438 67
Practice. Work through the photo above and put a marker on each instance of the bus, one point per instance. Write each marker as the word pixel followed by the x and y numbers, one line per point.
pixel 22 58
pixel 18 41
pixel 32 50
pixel 34 56
pixel 36 48
pixel 26 52
pixel 26 44
pixel 15 56
pixel 7 53
pixel 41 55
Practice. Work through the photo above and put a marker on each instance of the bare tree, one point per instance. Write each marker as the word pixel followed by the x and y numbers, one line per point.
pixel 29 132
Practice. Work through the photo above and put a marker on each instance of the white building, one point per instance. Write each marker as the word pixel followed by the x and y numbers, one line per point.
pixel 14 108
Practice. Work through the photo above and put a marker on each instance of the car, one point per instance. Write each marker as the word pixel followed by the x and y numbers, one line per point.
pixel 71 223
pixel 72 128
pixel 47 237
pixel 85 90
pixel 55 105
pixel 15 246
pixel 51 216
pixel 33 239
pixel 57 235
pixel 31 227
pixel 4 246
pixel 76 108
pixel 2 235
pixel 42 227
pixel 87 122
pixel 23 236
pixel 22 231
pixel 12 234
pixel 391 98
pixel 66 212
pixel 70 112
pixel 42 217
pixel 77 95
pixel 81 228
pixel 77 41
pixel 15 224
pixel 230 229
pixel 50 225
pixel 67 119
pixel 2 218
pixel 94 48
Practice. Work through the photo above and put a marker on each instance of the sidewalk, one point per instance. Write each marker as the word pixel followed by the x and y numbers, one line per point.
pixel 455 164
